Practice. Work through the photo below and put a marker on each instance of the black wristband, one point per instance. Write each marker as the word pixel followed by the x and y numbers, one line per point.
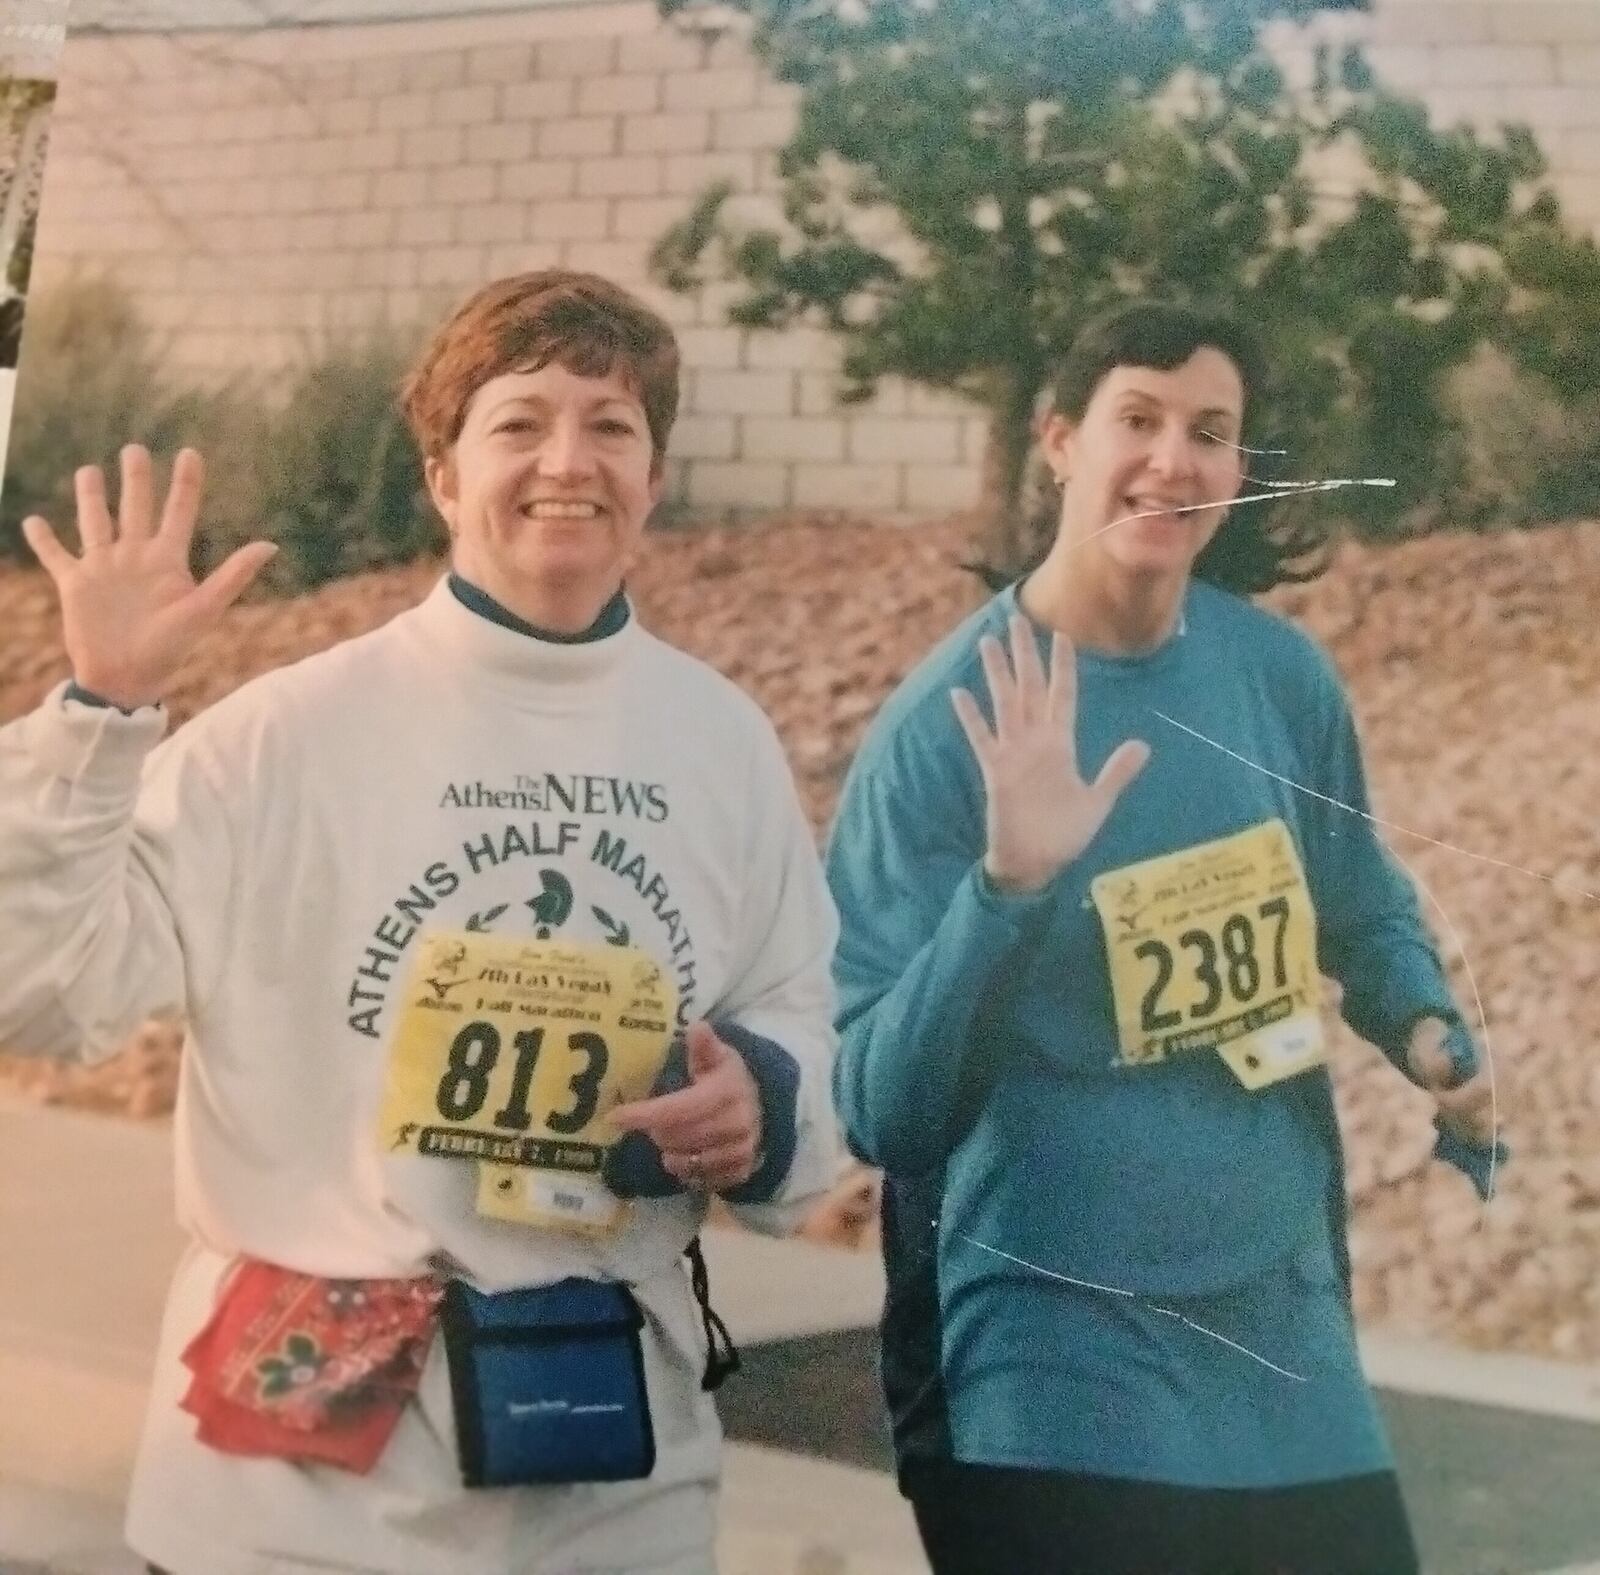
pixel 76 691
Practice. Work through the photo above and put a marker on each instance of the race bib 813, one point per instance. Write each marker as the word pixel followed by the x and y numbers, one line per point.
pixel 514 1051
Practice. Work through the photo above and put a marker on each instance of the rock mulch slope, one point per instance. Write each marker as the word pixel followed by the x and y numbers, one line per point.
pixel 1476 677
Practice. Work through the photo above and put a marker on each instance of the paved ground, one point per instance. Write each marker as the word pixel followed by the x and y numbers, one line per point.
pixel 86 1206
pixel 1493 1491
pixel 1508 1488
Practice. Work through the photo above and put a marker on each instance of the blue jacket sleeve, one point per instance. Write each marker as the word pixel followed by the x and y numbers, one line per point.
pixel 924 942
pixel 1373 938
pixel 633 1167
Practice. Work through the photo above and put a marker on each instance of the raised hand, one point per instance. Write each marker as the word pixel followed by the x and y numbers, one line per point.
pixel 131 612
pixel 1040 813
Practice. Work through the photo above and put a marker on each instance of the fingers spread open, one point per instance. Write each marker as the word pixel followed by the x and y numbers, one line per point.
pixel 53 558
pixel 1002 686
pixel 973 724
pixel 1063 697
pixel 1031 688
pixel 232 577
pixel 1126 762
pixel 94 518
pixel 136 503
pixel 182 507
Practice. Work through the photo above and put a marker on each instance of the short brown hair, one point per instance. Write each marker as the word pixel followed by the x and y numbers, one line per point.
pixel 579 321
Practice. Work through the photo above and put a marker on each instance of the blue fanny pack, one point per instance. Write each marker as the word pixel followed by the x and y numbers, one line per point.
pixel 548 1384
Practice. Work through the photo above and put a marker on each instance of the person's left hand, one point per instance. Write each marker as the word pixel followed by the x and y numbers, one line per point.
pixel 1465 1108
pixel 709 1133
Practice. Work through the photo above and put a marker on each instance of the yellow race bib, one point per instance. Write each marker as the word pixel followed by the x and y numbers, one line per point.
pixel 1215 947
pixel 512 1052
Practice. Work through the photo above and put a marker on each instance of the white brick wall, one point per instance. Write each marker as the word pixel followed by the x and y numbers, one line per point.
pixel 726 89
pixel 661 52
pixel 500 142
pixel 705 437
pixel 638 175
pixel 541 99
pixel 634 94
pixel 1421 22
pixel 641 219
pixel 682 131
pixel 804 439
pixel 330 176
pixel 744 393
pixel 578 137
pixel 584 219
pixel 579 57
pixel 1494 65
pixel 738 484
pixel 536 178
pixel 1562 22
pixel 475 105
pixel 1578 63
pixel 853 487
pixel 505 62
pixel 934 440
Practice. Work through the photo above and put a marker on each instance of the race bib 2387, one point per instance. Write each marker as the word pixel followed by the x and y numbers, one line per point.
pixel 1214 947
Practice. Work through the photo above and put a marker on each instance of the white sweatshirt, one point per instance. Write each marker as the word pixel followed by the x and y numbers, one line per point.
pixel 267 872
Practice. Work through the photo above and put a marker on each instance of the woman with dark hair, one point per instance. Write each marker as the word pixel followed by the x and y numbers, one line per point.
pixel 1082 1027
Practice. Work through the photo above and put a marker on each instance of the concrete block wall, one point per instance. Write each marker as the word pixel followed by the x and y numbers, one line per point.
pixel 261 192
pixel 31 35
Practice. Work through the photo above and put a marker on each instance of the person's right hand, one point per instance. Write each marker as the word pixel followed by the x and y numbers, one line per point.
pixel 1467 1102
pixel 131 612
pixel 1040 812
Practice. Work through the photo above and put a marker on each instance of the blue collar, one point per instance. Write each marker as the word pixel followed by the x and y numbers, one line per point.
pixel 613 616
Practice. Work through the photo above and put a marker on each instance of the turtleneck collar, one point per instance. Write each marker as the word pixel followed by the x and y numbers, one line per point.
pixel 611 618
pixel 530 668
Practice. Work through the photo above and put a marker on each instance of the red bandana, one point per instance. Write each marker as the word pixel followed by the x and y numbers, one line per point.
pixel 309 1369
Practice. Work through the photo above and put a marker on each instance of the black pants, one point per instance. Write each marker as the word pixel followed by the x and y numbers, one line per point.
pixel 997 1520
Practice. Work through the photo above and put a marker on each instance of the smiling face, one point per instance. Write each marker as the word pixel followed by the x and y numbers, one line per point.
pixel 547 490
pixel 1150 443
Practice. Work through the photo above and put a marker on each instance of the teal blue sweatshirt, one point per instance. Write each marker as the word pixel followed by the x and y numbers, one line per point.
pixel 978 1031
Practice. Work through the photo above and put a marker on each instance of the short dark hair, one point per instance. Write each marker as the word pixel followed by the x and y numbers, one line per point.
pixel 577 320
pixel 1252 551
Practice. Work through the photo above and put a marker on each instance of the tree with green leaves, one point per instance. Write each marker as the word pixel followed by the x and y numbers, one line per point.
pixel 20 98
pixel 20 267
pixel 969 180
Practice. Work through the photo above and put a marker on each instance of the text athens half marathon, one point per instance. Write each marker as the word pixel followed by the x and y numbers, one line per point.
pixel 502 945
pixel 1086 929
